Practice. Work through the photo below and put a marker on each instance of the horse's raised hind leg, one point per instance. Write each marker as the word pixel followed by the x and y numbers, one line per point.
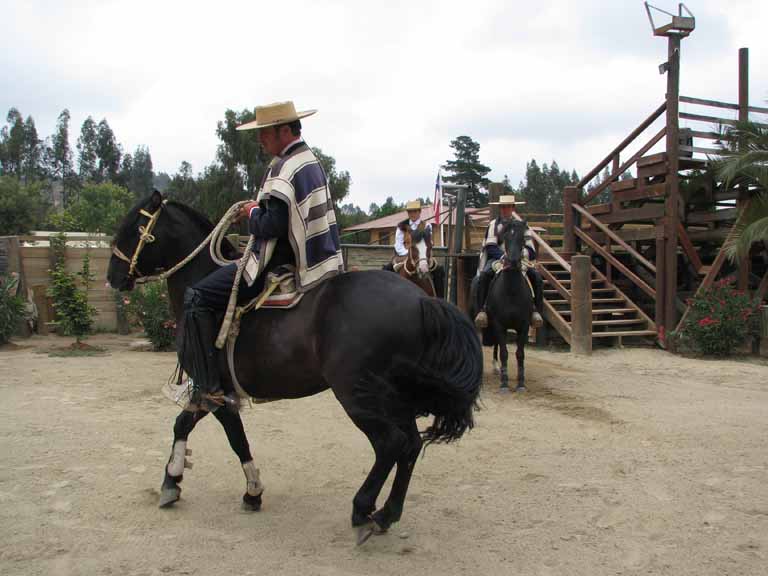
pixel 500 334
pixel 388 442
pixel 522 338
pixel 170 491
pixel 393 507
pixel 233 427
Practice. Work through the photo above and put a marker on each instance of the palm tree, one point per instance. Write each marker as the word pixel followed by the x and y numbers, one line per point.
pixel 744 163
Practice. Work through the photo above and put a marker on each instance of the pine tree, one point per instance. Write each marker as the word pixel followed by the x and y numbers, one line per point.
pixel 108 153
pixel 86 150
pixel 466 168
pixel 12 138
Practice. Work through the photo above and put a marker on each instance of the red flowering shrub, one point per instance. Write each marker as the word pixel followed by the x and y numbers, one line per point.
pixel 148 306
pixel 720 319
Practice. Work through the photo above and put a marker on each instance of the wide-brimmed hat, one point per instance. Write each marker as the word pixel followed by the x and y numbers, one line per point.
pixel 506 200
pixel 413 205
pixel 274 114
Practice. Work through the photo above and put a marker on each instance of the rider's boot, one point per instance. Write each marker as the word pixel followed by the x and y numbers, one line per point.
pixel 199 354
pixel 481 319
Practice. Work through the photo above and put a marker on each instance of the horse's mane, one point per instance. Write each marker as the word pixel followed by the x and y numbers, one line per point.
pixel 129 222
pixel 196 216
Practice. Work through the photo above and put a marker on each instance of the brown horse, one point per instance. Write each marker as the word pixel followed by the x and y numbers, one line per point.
pixel 417 265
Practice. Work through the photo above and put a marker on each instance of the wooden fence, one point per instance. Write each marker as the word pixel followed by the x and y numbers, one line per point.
pixel 35 255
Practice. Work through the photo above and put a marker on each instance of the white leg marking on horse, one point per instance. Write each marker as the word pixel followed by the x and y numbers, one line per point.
pixel 254 485
pixel 178 461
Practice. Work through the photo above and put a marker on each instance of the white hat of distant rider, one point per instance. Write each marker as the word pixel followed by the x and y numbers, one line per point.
pixel 413 205
pixel 506 200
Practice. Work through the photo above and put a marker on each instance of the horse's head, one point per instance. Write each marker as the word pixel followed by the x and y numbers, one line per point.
pixel 139 248
pixel 419 252
pixel 513 240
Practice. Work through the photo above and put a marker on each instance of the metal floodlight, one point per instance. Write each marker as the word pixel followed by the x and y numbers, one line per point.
pixel 663 67
pixel 679 26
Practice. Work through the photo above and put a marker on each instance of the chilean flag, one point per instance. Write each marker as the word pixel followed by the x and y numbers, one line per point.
pixel 438 197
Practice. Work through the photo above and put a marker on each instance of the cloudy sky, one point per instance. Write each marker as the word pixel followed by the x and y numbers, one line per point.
pixel 394 81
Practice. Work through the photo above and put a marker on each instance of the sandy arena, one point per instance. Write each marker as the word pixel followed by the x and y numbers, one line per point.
pixel 631 461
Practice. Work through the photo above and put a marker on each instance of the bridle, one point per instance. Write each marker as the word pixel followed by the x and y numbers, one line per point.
pixel 145 237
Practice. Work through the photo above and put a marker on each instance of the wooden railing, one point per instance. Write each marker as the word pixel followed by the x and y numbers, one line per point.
pixel 613 156
pixel 606 253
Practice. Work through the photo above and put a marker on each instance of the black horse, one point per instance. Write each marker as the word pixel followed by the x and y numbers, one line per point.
pixel 388 351
pixel 509 303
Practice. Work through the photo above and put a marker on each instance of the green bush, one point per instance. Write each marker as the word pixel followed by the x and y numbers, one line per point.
pixel 149 307
pixel 720 319
pixel 11 308
pixel 74 315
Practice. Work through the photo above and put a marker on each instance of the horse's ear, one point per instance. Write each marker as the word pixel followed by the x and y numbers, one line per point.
pixel 156 200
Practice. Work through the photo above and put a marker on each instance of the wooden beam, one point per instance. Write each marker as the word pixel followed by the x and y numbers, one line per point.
pixel 672 204
pixel 613 236
pixel 651 191
pixel 616 263
pixel 557 321
pixel 716 216
pixel 713 103
pixel 581 305
pixel 688 248
pixel 652 159
pixel 649 212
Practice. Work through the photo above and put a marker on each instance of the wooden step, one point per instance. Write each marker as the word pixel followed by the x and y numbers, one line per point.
pixel 596 311
pixel 624 333
pixel 568 281
pixel 618 322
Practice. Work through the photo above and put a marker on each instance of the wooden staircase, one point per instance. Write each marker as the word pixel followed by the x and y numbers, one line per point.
pixel 614 315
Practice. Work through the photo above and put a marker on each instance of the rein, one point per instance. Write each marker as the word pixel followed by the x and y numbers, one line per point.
pixel 215 239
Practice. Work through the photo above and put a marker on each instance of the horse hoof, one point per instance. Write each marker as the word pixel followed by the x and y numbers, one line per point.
pixel 251 503
pixel 168 496
pixel 365 531
pixel 521 389
pixel 504 388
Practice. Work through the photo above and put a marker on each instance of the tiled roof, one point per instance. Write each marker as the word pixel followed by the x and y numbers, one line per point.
pixel 391 221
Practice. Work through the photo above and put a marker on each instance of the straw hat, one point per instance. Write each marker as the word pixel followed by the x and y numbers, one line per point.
pixel 413 205
pixel 274 114
pixel 506 200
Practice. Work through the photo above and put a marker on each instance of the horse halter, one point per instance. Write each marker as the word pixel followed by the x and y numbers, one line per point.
pixel 145 237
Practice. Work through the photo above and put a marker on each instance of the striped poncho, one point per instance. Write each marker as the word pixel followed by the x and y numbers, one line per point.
pixel 298 180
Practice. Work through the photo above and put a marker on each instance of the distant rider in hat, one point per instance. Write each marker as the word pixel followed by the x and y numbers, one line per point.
pixel 491 262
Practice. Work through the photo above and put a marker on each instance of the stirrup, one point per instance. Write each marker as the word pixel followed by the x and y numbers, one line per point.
pixel 536 320
pixel 481 320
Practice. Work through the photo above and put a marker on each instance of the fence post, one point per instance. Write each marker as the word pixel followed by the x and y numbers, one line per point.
pixel 581 305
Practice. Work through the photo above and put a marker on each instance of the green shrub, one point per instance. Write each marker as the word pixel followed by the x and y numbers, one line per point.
pixel 149 307
pixel 720 319
pixel 11 307
pixel 74 315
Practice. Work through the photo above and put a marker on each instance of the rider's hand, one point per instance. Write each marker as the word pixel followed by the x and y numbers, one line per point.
pixel 498 265
pixel 245 211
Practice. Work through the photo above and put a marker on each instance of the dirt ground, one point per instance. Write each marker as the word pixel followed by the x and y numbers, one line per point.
pixel 630 461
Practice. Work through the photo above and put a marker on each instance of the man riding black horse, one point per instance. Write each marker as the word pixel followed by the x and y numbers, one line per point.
pixel 491 262
pixel 293 201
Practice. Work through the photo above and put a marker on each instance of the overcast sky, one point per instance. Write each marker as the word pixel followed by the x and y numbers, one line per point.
pixel 394 81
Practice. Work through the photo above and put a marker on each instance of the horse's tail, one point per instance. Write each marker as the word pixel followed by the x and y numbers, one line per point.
pixel 447 380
